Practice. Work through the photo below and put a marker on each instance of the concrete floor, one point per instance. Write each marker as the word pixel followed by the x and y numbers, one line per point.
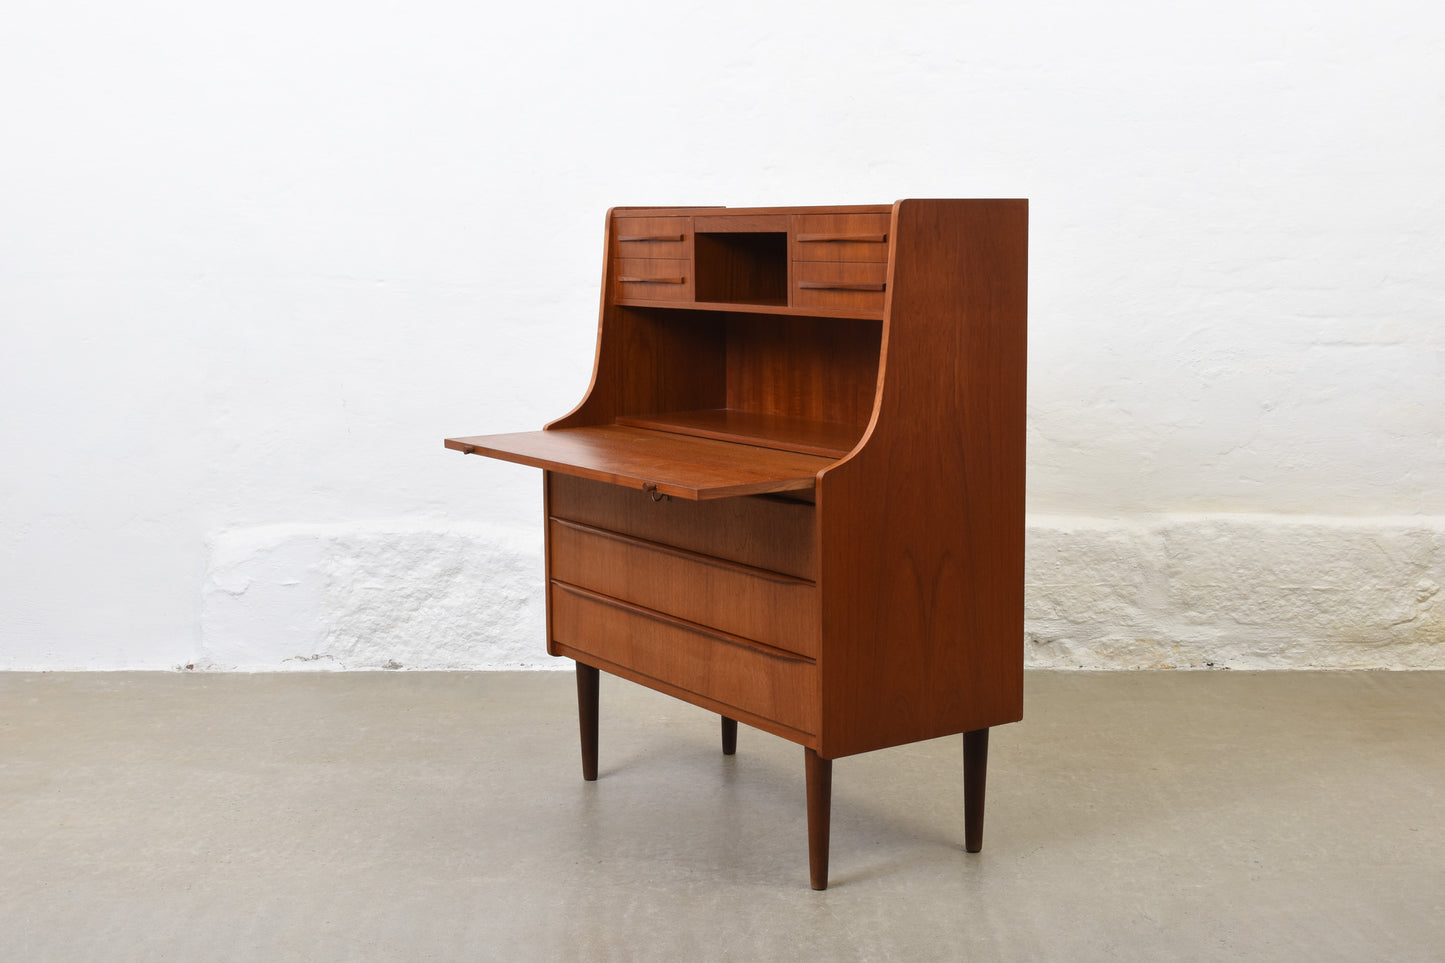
pixel 422 816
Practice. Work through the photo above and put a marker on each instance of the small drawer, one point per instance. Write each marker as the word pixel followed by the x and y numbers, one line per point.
pixel 769 607
pixel 667 237
pixel 653 279
pixel 632 641
pixel 840 237
pixel 840 285
pixel 757 530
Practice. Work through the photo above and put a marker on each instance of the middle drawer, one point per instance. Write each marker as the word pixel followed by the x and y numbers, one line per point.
pixel 768 607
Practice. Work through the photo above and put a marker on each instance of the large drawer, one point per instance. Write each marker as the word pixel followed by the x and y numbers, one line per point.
pixel 769 607
pixel 758 530
pixel 614 636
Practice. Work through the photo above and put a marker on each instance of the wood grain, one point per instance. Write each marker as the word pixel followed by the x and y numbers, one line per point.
pixel 825 285
pixel 741 222
pixel 768 607
pixel 807 227
pixel 647 361
pixel 653 461
pixel 693 658
pixel 630 231
pixel 872 311
pixel 921 530
pixel 748 267
pixel 885 604
pixel 814 369
pixel 761 531
pixel 657 279
pixel 828 439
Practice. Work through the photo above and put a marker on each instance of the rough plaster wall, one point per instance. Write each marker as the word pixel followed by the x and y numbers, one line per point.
pixel 256 261
pixel 1236 591
pixel 1177 591
pixel 373 596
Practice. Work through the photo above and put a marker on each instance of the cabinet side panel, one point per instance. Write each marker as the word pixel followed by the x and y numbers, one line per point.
pixel 921 531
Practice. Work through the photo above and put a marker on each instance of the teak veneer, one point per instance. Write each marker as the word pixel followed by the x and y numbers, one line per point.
pixel 793 493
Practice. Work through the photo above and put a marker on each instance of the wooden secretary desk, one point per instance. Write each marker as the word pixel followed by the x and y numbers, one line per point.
pixel 793 494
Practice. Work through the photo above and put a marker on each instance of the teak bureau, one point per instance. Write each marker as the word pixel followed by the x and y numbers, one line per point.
pixel 793 494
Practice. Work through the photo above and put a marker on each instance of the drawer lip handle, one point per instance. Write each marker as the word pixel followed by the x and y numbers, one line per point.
pixel 831 238
pixel 843 285
pixel 751 645
pixel 632 280
pixel 649 238
pixel 683 554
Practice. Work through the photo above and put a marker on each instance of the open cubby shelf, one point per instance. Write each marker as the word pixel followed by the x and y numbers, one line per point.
pixel 742 267
pixel 796 383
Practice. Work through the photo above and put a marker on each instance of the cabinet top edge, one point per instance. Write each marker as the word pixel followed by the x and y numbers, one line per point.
pixel 623 211
pixel 691 211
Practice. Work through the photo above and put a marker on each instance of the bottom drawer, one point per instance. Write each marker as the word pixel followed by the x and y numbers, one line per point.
pixel 707 663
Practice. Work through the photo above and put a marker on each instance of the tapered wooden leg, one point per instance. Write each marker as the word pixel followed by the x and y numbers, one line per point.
pixel 587 682
pixel 820 798
pixel 975 769
pixel 730 735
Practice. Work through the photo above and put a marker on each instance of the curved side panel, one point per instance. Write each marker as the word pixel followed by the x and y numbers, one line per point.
pixel 579 415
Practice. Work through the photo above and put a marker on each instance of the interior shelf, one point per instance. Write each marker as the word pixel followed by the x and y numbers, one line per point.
pixel 861 314
pixel 824 438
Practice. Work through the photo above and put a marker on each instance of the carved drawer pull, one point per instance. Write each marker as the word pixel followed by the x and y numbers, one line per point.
pixel 826 238
pixel 842 285
pixel 648 238
pixel 631 280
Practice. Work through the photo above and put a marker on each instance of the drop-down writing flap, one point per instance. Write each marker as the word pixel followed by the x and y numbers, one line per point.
pixel 655 461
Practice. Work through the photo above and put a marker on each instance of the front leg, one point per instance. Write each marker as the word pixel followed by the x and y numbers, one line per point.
pixel 975 769
pixel 587 686
pixel 819 773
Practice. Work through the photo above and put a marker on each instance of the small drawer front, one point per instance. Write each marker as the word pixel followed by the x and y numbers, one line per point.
pixel 775 609
pixel 691 658
pixel 652 237
pixel 653 279
pixel 768 533
pixel 851 285
pixel 840 237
